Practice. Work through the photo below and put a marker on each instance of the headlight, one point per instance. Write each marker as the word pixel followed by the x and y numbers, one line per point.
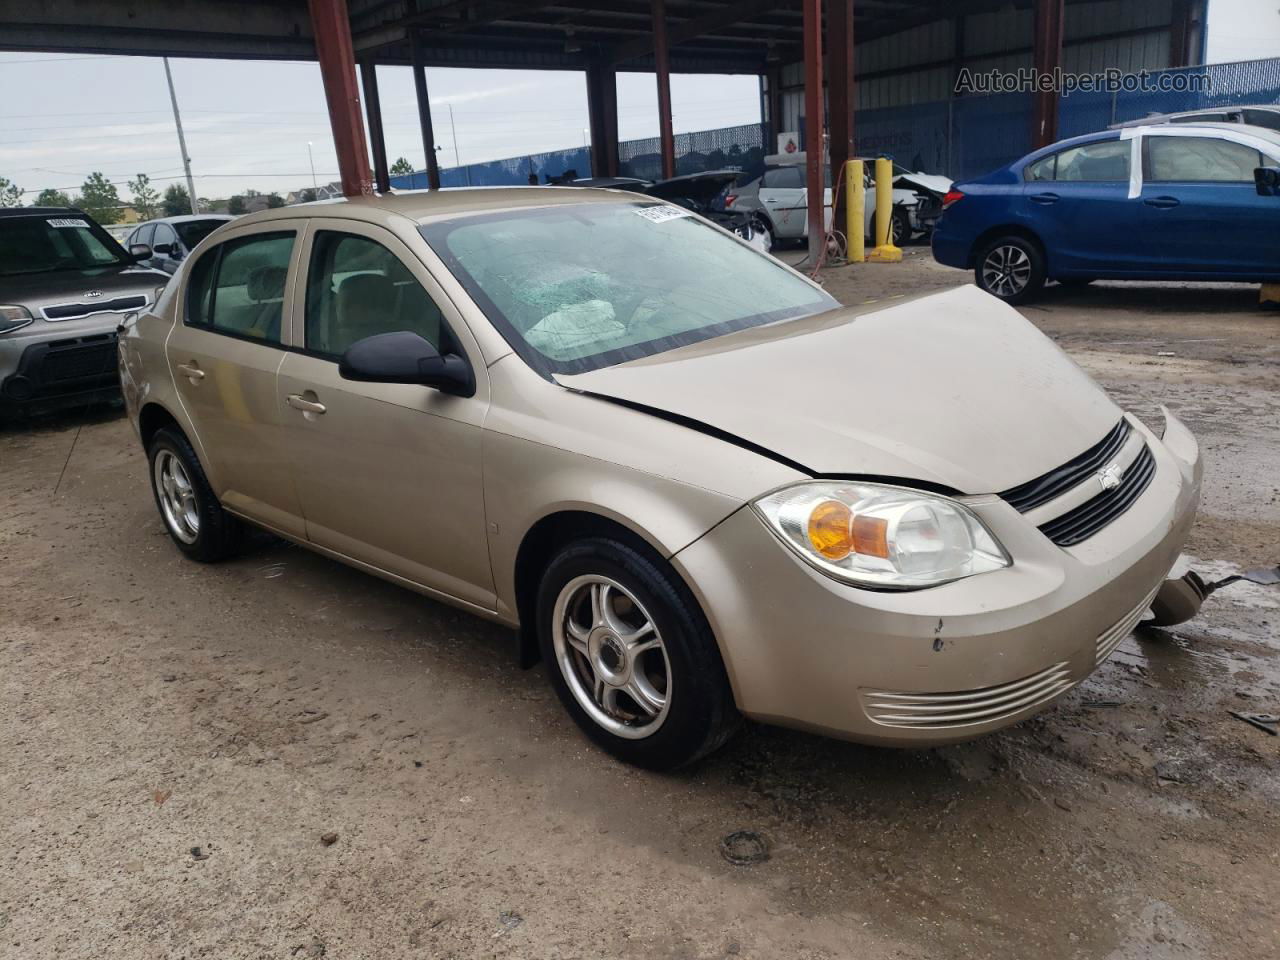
pixel 13 317
pixel 872 535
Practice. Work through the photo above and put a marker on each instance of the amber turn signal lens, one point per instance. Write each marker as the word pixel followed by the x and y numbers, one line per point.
pixel 831 529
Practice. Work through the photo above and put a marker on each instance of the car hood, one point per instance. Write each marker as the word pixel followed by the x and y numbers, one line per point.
pixel 954 389
pixel 925 181
pixel 701 188
pixel 34 290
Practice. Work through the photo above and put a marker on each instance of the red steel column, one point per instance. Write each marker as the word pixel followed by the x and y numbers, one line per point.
pixel 332 29
pixel 602 113
pixel 814 138
pixel 373 113
pixel 663 70
pixel 1048 61
pixel 840 95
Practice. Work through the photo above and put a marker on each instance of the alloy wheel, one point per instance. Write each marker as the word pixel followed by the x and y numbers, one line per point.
pixel 612 656
pixel 1006 270
pixel 177 497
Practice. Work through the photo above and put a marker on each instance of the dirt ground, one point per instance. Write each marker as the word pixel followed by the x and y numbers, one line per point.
pixel 175 740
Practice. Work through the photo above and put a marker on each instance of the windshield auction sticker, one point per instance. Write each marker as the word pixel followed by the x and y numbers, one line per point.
pixel 661 214
pixel 68 223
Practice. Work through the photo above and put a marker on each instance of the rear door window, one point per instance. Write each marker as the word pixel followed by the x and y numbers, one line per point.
pixel 1105 161
pixel 238 287
pixel 783 178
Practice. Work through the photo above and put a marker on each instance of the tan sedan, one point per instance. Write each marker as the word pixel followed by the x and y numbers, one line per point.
pixel 698 486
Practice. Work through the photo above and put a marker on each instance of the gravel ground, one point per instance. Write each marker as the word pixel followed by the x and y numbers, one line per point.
pixel 179 742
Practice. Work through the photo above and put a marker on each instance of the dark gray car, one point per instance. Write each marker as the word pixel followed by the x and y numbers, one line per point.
pixel 172 238
pixel 65 285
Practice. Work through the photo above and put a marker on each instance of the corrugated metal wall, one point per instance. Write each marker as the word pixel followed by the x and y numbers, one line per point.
pixel 1130 35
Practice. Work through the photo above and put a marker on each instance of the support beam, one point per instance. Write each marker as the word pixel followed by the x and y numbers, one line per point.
pixel 774 94
pixel 840 97
pixel 1047 58
pixel 602 113
pixel 373 114
pixel 332 28
pixel 424 112
pixel 814 139
pixel 1182 29
pixel 663 73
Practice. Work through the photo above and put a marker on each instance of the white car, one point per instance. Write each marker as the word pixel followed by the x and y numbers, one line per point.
pixel 778 199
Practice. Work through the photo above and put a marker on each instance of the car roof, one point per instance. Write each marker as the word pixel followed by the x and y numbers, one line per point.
pixel 1239 129
pixel 187 218
pixel 1159 118
pixel 38 211
pixel 424 205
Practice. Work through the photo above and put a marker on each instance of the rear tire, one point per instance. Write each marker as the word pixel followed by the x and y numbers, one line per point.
pixel 631 655
pixel 1011 268
pixel 191 513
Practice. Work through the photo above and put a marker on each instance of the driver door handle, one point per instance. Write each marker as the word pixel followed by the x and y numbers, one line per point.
pixel 299 402
pixel 191 370
pixel 1045 198
pixel 1163 203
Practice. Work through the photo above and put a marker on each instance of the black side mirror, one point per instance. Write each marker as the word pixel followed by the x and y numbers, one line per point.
pixel 405 357
pixel 162 249
pixel 1267 180
pixel 139 251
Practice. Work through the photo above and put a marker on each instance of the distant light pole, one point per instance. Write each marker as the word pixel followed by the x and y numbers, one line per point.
pixel 454 131
pixel 182 141
pixel 310 157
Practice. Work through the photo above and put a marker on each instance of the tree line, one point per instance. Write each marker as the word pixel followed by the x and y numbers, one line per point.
pixel 99 197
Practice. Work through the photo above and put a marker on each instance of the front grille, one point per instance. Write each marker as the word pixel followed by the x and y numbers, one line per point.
pixel 1034 493
pixel 73 311
pixel 1107 643
pixel 966 707
pixel 1084 521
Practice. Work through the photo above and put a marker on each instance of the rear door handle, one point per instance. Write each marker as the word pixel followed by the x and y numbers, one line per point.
pixel 191 370
pixel 1163 203
pixel 299 402
pixel 1044 198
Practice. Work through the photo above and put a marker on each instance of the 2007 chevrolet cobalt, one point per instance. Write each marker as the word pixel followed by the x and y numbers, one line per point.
pixel 699 486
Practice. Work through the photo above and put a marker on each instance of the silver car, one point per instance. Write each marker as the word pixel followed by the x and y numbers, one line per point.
pixel 65 285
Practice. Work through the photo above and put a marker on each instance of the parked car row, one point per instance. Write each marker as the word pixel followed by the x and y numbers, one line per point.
pixel 778 200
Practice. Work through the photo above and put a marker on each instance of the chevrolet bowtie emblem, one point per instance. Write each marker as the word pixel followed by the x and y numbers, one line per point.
pixel 1109 477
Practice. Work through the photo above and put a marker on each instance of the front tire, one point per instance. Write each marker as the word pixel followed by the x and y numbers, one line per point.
pixel 192 515
pixel 631 656
pixel 1011 268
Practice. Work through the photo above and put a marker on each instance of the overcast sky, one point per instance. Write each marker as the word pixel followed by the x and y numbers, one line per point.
pixel 248 123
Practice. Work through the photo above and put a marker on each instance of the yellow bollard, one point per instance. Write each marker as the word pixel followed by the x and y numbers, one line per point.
pixel 855 206
pixel 885 251
pixel 1269 296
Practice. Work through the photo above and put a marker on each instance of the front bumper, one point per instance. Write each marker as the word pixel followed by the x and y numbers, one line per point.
pixel 948 663
pixel 53 372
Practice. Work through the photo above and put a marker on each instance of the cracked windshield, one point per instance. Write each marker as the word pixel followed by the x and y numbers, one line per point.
pixel 579 287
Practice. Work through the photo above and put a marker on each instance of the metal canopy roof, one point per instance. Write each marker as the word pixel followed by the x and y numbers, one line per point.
pixel 706 36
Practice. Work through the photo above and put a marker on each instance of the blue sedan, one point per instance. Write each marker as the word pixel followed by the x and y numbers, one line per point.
pixel 1173 202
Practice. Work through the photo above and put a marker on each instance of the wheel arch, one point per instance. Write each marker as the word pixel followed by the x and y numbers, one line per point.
pixel 1006 230
pixel 540 543
pixel 154 417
